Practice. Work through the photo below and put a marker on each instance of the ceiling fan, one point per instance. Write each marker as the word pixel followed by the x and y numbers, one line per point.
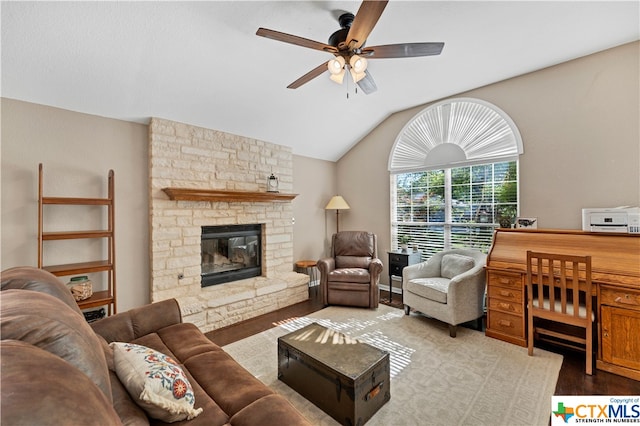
pixel 348 47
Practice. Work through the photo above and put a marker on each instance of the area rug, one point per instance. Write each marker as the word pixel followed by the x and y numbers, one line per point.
pixel 435 379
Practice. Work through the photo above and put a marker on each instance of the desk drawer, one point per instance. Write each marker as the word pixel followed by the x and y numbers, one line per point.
pixel 623 298
pixel 506 323
pixel 506 306
pixel 505 280
pixel 506 294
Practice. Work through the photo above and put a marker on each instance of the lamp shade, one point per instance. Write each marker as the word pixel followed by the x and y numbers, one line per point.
pixel 357 76
pixel 358 64
pixel 336 65
pixel 337 77
pixel 337 203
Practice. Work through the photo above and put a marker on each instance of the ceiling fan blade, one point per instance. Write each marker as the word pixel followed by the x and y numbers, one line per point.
pixel 309 76
pixel 363 23
pixel 403 50
pixel 367 84
pixel 298 41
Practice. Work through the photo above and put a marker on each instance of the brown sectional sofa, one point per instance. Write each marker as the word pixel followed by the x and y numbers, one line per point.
pixel 57 369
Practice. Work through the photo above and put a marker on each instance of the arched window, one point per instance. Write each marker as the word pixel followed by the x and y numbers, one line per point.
pixel 455 132
pixel 454 176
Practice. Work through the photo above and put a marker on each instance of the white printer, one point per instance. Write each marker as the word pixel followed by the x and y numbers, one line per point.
pixel 617 219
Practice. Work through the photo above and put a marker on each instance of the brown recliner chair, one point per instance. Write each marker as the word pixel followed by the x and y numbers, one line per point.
pixel 350 276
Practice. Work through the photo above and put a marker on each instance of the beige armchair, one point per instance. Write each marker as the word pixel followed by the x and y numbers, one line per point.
pixel 449 287
pixel 350 276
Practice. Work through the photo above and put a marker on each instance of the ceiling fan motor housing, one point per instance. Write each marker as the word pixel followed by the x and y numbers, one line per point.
pixel 339 37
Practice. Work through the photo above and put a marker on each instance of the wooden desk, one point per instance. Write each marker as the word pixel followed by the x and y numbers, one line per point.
pixel 615 274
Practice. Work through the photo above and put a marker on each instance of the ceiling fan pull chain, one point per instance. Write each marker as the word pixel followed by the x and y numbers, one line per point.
pixel 347 88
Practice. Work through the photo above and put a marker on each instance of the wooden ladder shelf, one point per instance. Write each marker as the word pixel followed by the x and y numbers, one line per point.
pixel 105 297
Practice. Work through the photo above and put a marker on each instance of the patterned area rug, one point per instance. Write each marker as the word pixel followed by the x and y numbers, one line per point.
pixel 435 379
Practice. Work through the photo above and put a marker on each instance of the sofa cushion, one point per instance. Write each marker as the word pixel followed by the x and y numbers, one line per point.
pixel 174 337
pixel 129 412
pixel 211 415
pixel 137 322
pixel 233 390
pixel 50 324
pixel 39 388
pixel 271 410
pixel 31 278
pixel 435 288
pixel 156 381
pixel 455 264
pixel 181 342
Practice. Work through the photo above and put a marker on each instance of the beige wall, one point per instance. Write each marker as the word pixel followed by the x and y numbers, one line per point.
pixel 579 123
pixel 77 151
pixel 315 182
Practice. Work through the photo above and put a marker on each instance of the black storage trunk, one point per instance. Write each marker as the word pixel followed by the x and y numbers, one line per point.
pixel 347 379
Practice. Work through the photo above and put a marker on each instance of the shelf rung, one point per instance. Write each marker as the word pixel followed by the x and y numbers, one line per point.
pixel 79 268
pixel 76 201
pixel 48 236
pixel 98 298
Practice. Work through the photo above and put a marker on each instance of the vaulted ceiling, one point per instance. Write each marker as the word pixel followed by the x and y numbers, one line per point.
pixel 201 62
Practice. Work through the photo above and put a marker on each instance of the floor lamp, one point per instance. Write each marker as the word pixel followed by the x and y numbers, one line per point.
pixel 337 203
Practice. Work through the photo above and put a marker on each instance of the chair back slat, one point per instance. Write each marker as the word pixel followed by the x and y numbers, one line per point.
pixel 559 289
pixel 576 289
pixel 539 278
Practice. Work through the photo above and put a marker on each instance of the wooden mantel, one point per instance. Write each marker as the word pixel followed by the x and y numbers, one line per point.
pixel 191 194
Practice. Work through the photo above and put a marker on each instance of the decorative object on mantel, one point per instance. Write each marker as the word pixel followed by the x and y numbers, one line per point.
pixel 338 203
pixel 272 183
pixel 193 194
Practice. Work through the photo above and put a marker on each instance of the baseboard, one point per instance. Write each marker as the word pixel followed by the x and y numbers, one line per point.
pixel 385 287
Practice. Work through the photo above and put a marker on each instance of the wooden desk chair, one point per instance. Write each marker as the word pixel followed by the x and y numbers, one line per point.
pixel 559 290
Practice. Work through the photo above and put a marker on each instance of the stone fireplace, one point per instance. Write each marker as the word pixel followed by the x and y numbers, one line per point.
pixel 184 156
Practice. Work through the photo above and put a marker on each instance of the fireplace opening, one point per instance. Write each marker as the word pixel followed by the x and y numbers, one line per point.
pixel 230 253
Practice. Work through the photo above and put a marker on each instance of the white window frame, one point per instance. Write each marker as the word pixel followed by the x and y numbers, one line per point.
pixel 449 134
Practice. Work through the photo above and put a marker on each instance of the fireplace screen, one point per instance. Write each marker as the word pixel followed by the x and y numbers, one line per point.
pixel 230 253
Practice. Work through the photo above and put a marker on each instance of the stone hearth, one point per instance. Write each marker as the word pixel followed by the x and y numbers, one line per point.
pixel 184 156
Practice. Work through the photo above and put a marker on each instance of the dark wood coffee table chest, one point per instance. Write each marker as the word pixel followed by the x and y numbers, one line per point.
pixel 347 379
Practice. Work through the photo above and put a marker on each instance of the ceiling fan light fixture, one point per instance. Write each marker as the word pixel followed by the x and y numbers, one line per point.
pixel 336 65
pixel 358 64
pixel 337 77
pixel 357 76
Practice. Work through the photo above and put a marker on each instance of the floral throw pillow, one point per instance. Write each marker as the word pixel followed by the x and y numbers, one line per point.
pixel 155 381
